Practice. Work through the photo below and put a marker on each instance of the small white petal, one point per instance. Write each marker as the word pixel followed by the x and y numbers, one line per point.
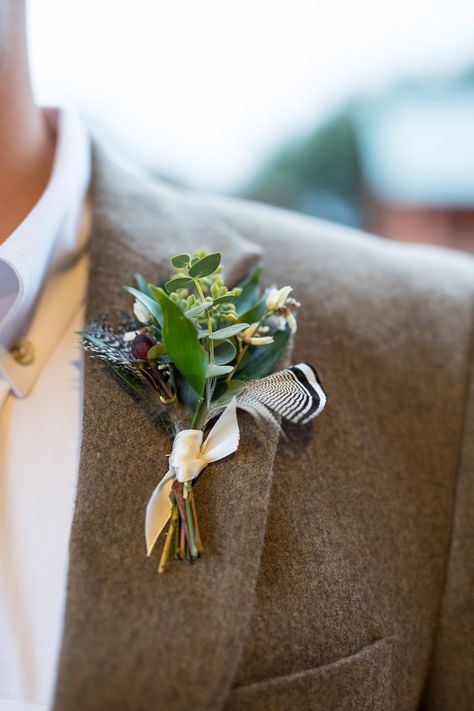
pixel 284 293
pixel 249 332
pixel 291 321
pixel 277 297
pixel 260 341
pixel 141 312
pixel 272 299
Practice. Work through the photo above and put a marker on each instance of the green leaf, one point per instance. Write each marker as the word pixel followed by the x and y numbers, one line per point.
pixel 180 261
pixel 155 351
pixel 179 282
pixel 153 306
pixel 256 313
pixel 142 284
pixel 232 388
pixel 199 309
pixel 224 352
pixel 226 299
pixel 250 292
pixel 205 266
pixel 214 371
pixel 181 342
pixel 262 360
pixel 186 394
pixel 228 331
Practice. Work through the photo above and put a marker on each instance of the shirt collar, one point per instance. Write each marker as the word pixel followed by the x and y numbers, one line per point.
pixel 41 253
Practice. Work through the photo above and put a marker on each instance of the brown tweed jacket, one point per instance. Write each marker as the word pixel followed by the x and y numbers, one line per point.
pixel 339 567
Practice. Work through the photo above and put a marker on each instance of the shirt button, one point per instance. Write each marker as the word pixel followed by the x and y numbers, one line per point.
pixel 23 352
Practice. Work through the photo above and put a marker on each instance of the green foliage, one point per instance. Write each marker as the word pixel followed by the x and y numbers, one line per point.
pixel 228 332
pixel 186 393
pixel 179 282
pixel 250 291
pixel 204 349
pixel 255 313
pixel 149 302
pixel 215 371
pixel 205 266
pixel 141 284
pixel 180 261
pixel 181 342
pixel 260 361
pixel 224 352
pixel 204 324
pixel 199 309
pixel 228 391
pixel 225 299
pixel 155 352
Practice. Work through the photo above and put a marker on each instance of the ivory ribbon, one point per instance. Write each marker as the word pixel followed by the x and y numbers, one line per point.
pixel 188 458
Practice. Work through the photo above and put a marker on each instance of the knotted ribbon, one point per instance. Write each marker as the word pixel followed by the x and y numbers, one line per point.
pixel 188 458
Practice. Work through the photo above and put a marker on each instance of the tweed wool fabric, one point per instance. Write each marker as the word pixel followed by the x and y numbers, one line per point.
pixel 358 683
pixel 331 555
pixel 451 679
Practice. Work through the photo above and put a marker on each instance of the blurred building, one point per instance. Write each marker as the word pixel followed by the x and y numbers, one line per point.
pixel 400 165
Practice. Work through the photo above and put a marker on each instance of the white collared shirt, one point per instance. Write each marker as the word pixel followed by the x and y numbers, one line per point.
pixel 43 277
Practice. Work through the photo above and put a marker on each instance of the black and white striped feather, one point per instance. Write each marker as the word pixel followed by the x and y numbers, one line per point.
pixel 102 341
pixel 295 393
pixel 110 346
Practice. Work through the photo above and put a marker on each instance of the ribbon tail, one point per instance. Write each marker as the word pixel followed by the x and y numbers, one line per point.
pixel 158 511
pixel 223 439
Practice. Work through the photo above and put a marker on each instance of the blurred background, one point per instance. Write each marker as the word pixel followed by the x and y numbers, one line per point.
pixel 360 113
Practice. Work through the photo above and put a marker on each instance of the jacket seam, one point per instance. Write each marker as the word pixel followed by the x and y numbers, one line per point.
pixel 466 414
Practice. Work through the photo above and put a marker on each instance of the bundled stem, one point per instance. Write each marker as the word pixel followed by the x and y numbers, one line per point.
pixel 183 539
pixel 169 537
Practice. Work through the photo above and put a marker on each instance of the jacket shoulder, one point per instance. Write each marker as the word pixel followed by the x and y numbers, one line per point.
pixel 348 254
pixel 408 305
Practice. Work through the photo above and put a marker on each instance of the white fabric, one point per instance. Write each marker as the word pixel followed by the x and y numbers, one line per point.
pixel 187 460
pixel 43 277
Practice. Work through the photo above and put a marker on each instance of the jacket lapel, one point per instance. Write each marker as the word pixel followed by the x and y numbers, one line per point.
pixel 133 639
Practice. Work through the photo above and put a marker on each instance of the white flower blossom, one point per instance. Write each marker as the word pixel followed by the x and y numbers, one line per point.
pixel 277 298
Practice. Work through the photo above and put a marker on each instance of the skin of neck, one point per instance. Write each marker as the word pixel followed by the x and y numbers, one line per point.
pixel 27 141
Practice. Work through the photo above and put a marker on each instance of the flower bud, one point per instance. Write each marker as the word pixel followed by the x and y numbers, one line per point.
pixel 141 344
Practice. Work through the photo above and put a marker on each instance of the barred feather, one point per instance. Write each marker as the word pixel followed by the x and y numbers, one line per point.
pixel 295 393
pixel 103 342
pixel 110 346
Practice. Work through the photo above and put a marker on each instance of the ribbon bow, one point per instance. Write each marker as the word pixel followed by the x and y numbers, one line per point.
pixel 188 458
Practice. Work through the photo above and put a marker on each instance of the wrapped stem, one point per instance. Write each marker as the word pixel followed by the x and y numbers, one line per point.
pixel 169 538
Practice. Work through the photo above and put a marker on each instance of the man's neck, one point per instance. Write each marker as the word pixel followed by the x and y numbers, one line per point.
pixel 27 142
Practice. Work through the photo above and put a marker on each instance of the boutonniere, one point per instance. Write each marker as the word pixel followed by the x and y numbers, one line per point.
pixel 194 351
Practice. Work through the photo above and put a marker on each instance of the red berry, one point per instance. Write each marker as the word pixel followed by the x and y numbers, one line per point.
pixel 141 344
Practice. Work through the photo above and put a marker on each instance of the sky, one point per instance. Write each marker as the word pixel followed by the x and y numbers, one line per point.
pixel 204 91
